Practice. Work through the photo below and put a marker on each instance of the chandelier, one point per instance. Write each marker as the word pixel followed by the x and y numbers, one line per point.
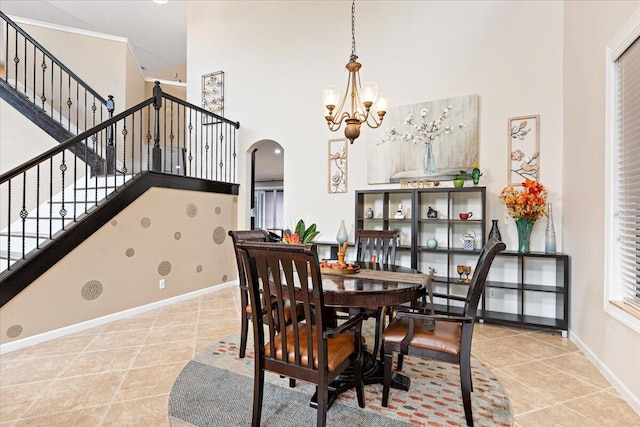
pixel 361 97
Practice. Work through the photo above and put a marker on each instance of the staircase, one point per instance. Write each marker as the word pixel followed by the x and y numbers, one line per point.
pixel 109 163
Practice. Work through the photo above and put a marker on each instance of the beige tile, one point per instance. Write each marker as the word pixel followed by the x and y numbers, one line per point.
pixel 553 416
pixel 218 304
pixel 15 400
pixel 88 417
pixel 531 346
pixel 497 355
pixel 163 353
pixel 523 398
pixel 76 393
pixel 148 381
pixel 605 409
pixel 487 330
pixel 177 422
pixel 173 319
pixel 171 333
pixel 118 339
pixel 150 411
pixel 217 316
pixel 182 307
pixel 143 321
pixel 579 366
pixel 555 339
pixel 22 353
pixel 95 362
pixel 558 385
pixel 31 370
pixel 65 345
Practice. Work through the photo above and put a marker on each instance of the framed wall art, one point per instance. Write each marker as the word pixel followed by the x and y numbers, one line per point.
pixel 524 149
pixel 338 159
pixel 431 140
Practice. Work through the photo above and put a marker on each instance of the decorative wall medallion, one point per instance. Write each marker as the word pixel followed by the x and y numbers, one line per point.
pixel 114 222
pixel 177 235
pixel 192 210
pixel 218 210
pixel 224 278
pixel 91 290
pixel 14 331
pixel 164 268
pixel 219 235
pixel 130 252
pixel 145 222
pixel 199 269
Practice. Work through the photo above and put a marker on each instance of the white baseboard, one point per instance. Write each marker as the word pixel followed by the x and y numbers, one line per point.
pixel 626 394
pixel 66 330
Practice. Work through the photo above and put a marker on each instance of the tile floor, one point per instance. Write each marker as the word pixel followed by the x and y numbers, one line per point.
pixel 120 374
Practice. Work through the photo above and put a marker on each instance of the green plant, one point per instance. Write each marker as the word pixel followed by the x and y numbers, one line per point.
pixel 461 175
pixel 302 234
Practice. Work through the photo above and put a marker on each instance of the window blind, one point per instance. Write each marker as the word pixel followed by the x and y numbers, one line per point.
pixel 628 172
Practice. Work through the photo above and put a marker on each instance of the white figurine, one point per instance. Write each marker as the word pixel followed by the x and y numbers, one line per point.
pixel 399 212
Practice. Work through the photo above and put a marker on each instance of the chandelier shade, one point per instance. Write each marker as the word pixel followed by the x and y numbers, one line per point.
pixel 360 103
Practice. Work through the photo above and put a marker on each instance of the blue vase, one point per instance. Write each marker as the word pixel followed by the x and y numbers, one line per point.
pixel 429 160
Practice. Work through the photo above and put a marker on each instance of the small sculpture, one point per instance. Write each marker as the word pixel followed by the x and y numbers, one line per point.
pixel 475 175
pixel 399 212
pixel 369 213
pixel 432 213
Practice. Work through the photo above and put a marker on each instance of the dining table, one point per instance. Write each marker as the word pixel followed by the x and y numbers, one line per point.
pixel 371 289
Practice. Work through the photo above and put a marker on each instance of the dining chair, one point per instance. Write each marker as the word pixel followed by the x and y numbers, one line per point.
pixel 376 246
pixel 257 235
pixel 445 338
pixel 303 349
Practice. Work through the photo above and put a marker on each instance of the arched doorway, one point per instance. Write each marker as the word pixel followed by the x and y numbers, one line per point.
pixel 267 157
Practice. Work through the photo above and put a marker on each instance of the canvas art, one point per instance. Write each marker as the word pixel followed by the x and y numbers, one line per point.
pixel 338 165
pixel 431 140
pixel 524 148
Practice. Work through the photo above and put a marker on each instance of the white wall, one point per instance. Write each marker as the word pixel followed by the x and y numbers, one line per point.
pixel 589 26
pixel 277 57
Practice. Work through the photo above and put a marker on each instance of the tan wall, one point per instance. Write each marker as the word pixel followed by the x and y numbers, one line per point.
pixel 127 258
pixel 135 83
pixel 589 26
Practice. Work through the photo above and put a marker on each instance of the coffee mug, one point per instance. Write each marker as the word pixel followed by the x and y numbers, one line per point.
pixel 465 215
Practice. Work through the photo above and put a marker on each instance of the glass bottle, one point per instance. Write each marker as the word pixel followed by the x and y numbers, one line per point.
pixel 495 232
pixel 550 234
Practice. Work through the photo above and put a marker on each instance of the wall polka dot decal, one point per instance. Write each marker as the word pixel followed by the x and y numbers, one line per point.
pixel 199 269
pixel 192 210
pixel 14 331
pixel 218 210
pixel 130 252
pixel 145 222
pixel 91 290
pixel 164 268
pixel 177 235
pixel 219 235
pixel 114 222
pixel 224 278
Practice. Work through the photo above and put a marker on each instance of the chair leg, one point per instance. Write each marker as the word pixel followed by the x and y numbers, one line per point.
pixel 357 369
pixel 465 384
pixel 292 382
pixel 400 360
pixel 322 392
pixel 386 384
pixel 258 388
pixel 244 325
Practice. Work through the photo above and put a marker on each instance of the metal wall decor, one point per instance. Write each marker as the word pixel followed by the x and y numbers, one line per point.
pixel 338 158
pixel 524 148
pixel 213 92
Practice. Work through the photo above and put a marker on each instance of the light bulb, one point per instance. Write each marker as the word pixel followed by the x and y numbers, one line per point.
pixel 369 92
pixel 331 95
pixel 382 103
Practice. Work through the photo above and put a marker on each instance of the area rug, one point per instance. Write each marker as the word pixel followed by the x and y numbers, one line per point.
pixel 216 389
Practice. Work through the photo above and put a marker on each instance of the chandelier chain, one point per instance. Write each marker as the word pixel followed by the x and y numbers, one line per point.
pixel 353 31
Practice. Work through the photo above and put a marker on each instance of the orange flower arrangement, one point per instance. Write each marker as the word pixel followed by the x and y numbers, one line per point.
pixel 530 203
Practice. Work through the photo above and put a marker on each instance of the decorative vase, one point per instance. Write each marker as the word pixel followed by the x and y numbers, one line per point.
pixel 342 235
pixel 429 160
pixel 524 235
pixel 550 235
pixel 458 182
pixel 495 232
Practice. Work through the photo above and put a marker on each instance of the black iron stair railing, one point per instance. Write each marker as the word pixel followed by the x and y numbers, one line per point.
pixel 48 195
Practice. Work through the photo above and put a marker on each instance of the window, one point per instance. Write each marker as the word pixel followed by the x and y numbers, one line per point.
pixel 623 175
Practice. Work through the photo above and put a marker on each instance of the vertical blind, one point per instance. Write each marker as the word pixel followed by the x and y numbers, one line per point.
pixel 628 172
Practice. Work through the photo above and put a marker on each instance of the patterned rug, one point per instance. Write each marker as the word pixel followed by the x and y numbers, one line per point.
pixel 216 389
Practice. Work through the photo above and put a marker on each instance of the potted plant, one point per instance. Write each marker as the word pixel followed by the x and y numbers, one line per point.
pixel 458 179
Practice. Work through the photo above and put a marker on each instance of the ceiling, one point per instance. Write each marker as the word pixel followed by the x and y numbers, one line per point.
pixel 156 33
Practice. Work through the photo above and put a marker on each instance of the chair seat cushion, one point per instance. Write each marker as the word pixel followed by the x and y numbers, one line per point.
pixel 338 348
pixel 444 337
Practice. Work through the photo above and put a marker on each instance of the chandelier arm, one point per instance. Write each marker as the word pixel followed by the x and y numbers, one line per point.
pixel 337 122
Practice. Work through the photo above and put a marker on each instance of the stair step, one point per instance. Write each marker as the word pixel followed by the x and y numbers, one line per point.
pixel 27 235
pixel 13 256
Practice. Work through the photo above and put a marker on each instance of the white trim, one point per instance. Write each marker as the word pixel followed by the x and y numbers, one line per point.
pixel 68 29
pixel 627 395
pixel 66 330
pixel 619 314
pixel 165 82
pixel 629 32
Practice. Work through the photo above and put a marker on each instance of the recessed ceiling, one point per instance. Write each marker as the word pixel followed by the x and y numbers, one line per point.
pixel 156 33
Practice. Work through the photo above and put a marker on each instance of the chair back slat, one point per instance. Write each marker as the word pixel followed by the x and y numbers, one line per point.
pixel 381 243
pixel 479 278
